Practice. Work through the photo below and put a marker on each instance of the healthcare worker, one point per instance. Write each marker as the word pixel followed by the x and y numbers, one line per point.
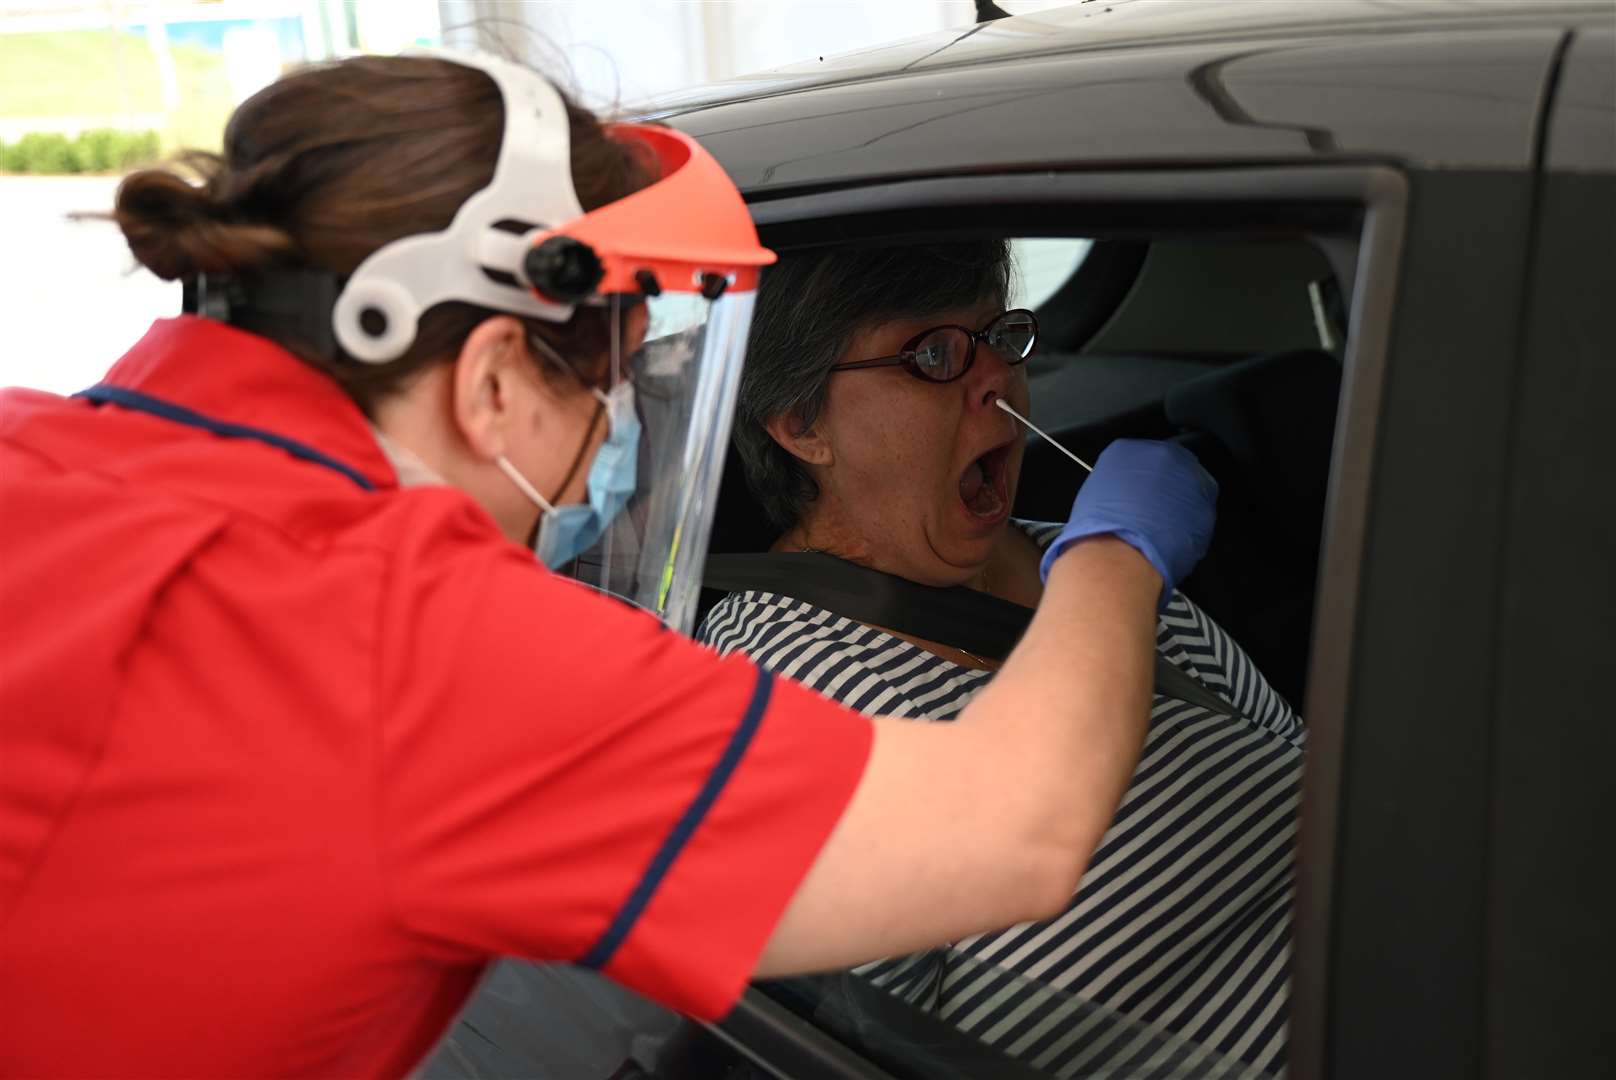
pixel 296 732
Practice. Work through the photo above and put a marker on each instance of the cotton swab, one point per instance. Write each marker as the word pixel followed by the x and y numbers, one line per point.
pixel 1005 405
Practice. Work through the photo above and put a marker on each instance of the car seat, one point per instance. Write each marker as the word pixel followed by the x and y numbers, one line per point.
pixel 1264 428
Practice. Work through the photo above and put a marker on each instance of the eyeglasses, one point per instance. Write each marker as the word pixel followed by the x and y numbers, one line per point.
pixel 945 353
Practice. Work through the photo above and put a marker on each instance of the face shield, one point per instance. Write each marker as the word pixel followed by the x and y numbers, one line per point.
pixel 685 246
pixel 685 377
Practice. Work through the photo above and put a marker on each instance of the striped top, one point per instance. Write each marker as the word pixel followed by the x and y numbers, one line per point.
pixel 1173 954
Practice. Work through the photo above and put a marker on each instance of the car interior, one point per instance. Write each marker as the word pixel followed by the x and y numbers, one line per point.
pixel 1229 345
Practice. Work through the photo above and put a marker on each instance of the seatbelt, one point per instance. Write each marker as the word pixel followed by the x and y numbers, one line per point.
pixel 965 619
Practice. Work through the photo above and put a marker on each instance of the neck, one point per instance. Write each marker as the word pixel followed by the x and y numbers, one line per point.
pixel 419 420
pixel 410 419
pixel 1010 573
pixel 804 537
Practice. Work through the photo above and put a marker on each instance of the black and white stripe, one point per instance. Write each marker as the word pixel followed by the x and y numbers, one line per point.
pixel 1172 958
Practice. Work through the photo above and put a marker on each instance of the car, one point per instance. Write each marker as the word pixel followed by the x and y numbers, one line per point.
pixel 1361 257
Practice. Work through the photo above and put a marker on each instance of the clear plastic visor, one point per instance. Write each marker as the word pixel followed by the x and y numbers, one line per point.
pixel 685 379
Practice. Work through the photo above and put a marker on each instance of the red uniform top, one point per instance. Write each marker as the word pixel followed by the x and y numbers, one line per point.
pixel 287 752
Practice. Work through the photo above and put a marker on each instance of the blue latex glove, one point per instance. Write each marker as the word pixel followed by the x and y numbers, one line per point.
pixel 1152 495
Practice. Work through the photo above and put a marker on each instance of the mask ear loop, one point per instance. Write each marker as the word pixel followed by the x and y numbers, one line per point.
pixel 583 448
pixel 538 344
pixel 617 340
pixel 608 541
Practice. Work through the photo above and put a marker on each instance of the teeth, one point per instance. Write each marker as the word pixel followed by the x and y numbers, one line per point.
pixel 987 503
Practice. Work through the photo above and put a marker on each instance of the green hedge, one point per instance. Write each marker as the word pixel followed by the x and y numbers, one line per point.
pixel 96 150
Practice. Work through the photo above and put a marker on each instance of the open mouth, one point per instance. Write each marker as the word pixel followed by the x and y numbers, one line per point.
pixel 984 487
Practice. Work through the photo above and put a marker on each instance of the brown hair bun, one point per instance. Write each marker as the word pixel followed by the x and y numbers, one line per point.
pixel 176 229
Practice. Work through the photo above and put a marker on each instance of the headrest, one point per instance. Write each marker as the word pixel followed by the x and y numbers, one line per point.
pixel 1275 415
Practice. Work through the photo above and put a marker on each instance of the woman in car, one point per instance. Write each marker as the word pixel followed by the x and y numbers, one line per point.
pixel 868 431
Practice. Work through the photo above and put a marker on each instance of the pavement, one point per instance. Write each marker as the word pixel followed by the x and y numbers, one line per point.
pixel 72 296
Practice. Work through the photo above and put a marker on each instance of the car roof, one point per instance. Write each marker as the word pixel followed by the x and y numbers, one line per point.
pixel 1091 25
pixel 1432 83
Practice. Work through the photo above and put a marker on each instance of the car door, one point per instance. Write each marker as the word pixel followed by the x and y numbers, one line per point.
pixel 1471 934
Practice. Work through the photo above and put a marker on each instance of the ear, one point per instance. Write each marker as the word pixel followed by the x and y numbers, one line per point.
pixel 485 391
pixel 805 442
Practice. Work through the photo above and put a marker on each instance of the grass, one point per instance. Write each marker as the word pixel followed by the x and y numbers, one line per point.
pixel 106 73
pixel 98 150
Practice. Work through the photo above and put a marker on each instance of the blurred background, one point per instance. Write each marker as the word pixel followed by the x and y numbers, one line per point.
pixel 92 88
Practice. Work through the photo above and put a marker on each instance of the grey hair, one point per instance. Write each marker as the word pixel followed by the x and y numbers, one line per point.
pixel 809 307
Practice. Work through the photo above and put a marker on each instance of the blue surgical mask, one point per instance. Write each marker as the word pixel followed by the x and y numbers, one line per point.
pixel 565 532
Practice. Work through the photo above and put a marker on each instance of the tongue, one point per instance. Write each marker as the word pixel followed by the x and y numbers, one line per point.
pixel 972 481
pixel 979 496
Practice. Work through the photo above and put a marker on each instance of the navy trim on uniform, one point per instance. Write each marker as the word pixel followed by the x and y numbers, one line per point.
pixel 689 822
pixel 179 414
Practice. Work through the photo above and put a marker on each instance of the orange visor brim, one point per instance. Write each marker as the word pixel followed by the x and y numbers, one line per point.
pixel 689 224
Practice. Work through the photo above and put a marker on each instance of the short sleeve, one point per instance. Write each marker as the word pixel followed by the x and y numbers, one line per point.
pixel 561 778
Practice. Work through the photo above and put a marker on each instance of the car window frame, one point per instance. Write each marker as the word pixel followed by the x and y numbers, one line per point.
pixel 1367 202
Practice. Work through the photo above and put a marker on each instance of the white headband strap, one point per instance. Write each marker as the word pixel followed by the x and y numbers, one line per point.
pixel 376 317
